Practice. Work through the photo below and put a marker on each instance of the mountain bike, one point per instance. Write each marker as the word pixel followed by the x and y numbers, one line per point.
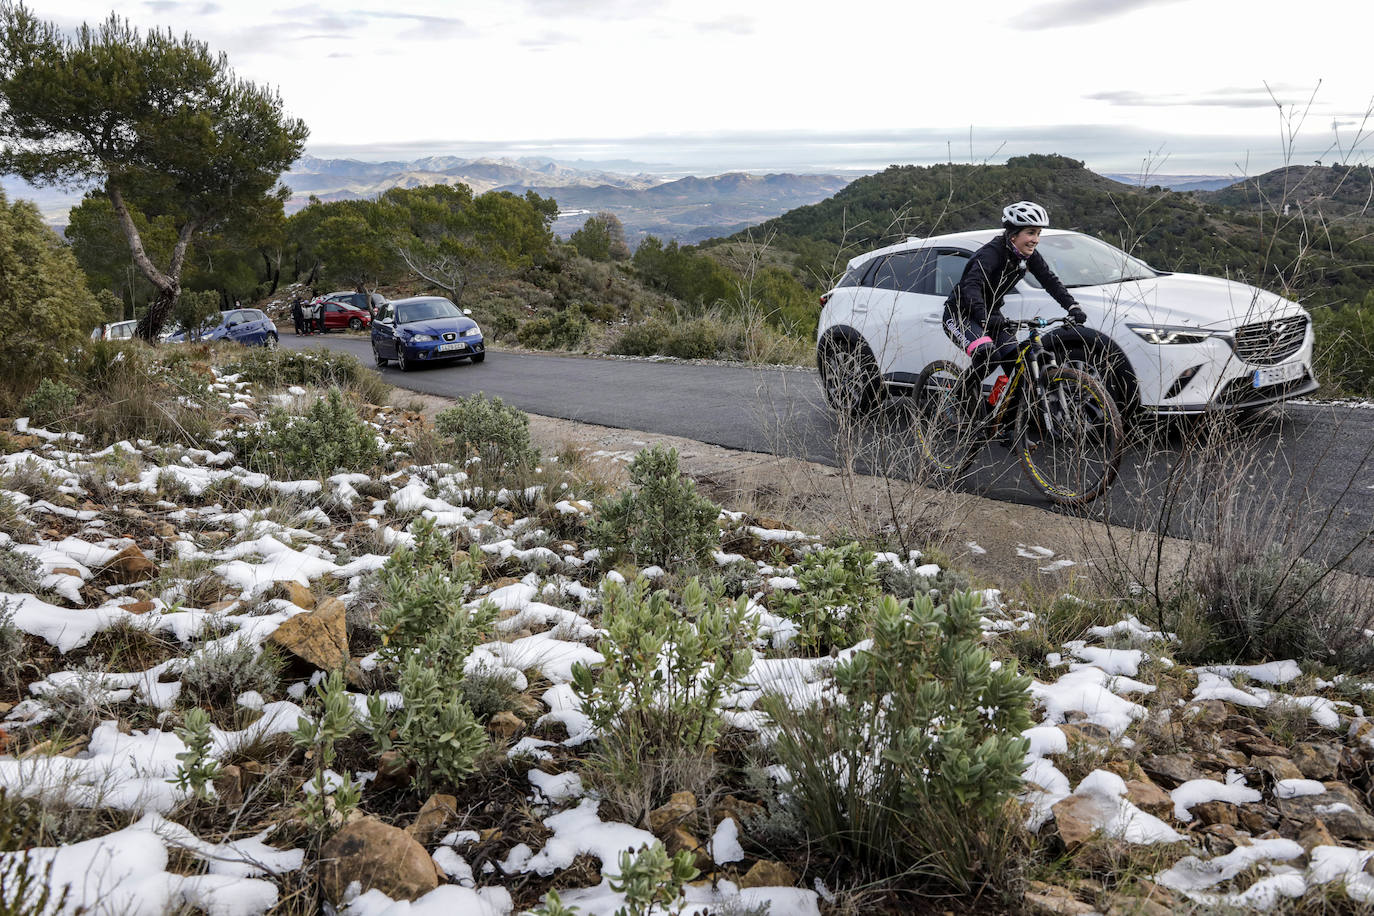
pixel 1062 423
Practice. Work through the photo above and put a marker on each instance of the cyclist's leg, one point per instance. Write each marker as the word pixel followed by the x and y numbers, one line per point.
pixel 966 334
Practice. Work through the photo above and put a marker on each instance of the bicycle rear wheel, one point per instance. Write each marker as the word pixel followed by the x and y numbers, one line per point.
pixel 946 438
pixel 1074 456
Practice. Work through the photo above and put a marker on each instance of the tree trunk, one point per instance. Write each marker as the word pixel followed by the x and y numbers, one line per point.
pixel 168 284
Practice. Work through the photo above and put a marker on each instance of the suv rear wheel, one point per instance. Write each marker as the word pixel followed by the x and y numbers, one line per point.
pixel 849 375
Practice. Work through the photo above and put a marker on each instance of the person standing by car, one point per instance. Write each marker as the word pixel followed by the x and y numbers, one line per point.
pixel 973 311
pixel 297 315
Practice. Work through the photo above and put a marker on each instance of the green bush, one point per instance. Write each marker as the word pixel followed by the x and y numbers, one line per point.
pixel 488 428
pixel 837 588
pixel 427 634
pixel 329 438
pixel 19 572
pixel 1263 604
pixel 911 769
pixel 217 676
pixel 1345 348
pixel 563 330
pixel 50 403
pixel 44 297
pixel 663 520
pixel 655 699
pixel 319 368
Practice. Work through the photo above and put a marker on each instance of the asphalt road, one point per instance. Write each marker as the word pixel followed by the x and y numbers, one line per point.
pixel 1301 473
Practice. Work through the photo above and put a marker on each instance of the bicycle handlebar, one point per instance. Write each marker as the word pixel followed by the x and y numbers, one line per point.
pixel 1038 322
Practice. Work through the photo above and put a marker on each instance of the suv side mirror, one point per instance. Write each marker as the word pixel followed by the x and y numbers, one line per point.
pixel 467 311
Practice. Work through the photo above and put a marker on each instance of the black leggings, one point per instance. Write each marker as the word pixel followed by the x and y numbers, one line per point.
pixel 1002 352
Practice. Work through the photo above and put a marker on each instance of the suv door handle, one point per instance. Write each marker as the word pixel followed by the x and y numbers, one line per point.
pixel 931 319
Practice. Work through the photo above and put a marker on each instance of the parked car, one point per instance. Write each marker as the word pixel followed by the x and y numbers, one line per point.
pixel 1169 343
pixel 249 327
pixel 339 314
pixel 425 329
pixel 119 330
pixel 359 300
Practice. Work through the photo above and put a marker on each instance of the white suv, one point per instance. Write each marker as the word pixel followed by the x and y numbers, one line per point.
pixel 1170 343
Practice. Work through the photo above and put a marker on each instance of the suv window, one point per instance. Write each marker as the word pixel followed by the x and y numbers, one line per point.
pixel 902 271
pixel 949 267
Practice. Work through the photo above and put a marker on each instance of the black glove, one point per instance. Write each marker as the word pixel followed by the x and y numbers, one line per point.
pixel 1077 315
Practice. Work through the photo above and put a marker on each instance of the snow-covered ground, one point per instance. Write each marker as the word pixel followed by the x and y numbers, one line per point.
pixel 1103 680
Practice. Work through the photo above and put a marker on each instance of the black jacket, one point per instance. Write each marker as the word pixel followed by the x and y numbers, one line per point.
pixel 992 272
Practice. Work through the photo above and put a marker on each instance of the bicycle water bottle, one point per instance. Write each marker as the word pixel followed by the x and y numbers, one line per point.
pixel 997 388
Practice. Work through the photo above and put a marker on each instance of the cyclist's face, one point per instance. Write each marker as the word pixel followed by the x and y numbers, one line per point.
pixel 1025 240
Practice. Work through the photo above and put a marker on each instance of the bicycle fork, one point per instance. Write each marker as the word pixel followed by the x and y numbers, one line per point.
pixel 1042 397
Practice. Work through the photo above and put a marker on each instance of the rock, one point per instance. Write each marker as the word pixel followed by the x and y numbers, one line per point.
pixel 1260 746
pixel 138 607
pixel 1225 758
pixel 1215 812
pixel 229 786
pixel 165 530
pixel 1317 761
pixel 1051 898
pixel 1277 767
pixel 1351 822
pixel 1205 713
pixel 376 856
pixel 292 591
pixel 680 807
pixel 1085 733
pixel 214 538
pixel 319 637
pixel 1077 818
pixel 1171 770
pixel 1122 905
pixel 220 606
pixel 1257 818
pixel 435 815
pixel 66 571
pixel 768 874
pixel 1149 798
pixel 505 725
pixel 1314 835
pixel 502 517
pixel 131 565
pixel 679 839
pixel 1222 838
pixel 531 707
pixel 392 770
pixel 742 811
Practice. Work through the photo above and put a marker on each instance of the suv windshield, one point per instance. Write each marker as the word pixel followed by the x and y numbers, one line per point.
pixel 424 311
pixel 1081 260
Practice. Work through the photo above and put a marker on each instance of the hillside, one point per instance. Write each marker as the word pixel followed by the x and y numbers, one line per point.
pixel 1193 232
pixel 1323 192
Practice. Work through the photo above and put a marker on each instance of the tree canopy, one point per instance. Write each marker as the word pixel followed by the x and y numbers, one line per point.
pixel 156 121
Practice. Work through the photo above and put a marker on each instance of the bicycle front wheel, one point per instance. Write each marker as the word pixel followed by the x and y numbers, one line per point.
pixel 944 435
pixel 1070 444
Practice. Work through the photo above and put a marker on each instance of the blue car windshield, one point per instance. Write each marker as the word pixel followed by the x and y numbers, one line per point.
pixel 425 311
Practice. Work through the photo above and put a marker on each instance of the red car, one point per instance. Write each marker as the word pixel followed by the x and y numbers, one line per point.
pixel 342 315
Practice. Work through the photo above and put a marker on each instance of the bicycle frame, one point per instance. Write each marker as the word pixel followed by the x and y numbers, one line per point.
pixel 1030 361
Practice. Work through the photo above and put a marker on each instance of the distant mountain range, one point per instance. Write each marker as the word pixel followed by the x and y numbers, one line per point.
pixel 1174 182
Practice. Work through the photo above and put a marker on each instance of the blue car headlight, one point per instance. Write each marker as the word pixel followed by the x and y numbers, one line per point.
pixel 473 331
pixel 420 338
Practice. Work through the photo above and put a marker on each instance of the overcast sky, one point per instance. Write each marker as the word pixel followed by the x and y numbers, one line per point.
pixel 718 84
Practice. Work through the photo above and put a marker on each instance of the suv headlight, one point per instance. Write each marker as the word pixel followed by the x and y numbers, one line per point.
pixel 1164 334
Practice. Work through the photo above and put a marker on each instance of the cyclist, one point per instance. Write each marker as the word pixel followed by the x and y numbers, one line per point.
pixel 973 311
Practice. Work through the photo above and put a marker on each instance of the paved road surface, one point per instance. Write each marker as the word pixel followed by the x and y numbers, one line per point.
pixel 1308 463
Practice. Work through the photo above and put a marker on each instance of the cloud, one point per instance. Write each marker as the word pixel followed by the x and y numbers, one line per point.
pixel 595 9
pixel 734 25
pixel 426 27
pixel 1080 12
pixel 1217 98
pixel 547 40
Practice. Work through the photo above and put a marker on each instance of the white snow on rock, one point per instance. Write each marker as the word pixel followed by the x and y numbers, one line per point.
pixel 1117 817
pixel 1198 791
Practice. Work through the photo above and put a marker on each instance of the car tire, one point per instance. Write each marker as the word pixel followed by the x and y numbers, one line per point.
pixel 270 341
pixel 377 355
pixel 401 362
pixel 355 324
pixel 478 357
pixel 1097 364
pixel 849 377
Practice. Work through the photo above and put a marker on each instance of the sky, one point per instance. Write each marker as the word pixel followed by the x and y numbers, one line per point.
pixel 1136 86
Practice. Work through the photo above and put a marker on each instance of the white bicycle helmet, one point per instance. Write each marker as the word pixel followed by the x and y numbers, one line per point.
pixel 1025 214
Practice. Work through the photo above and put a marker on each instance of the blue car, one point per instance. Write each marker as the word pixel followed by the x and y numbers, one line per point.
pixel 249 327
pixel 425 329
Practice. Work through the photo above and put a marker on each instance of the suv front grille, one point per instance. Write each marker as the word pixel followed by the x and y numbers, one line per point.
pixel 1271 342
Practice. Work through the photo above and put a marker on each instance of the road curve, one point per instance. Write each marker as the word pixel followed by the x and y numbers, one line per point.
pixel 1308 464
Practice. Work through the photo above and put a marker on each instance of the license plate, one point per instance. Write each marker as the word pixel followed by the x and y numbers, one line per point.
pixel 1276 375
pixel 452 346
